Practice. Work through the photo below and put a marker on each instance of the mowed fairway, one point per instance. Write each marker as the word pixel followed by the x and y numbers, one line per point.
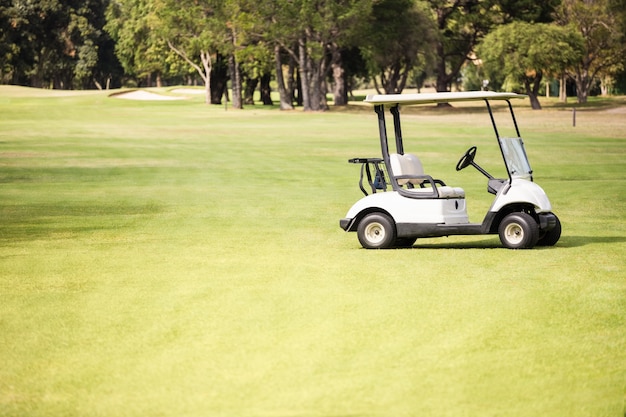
pixel 165 258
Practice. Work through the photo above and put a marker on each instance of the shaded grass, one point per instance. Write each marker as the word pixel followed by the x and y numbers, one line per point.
pixel 172 259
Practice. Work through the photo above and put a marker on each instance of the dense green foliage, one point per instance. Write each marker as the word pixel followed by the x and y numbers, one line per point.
pixel 520 54
pixel 309 48
pixel 601 24
pixel 56 44
pixel 154 262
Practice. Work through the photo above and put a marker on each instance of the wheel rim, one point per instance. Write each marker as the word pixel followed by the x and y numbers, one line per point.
pixel 514 233
pixel 375 232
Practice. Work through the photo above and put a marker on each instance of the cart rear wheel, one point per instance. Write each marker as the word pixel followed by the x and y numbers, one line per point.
pixel 376 231
pixel 519 231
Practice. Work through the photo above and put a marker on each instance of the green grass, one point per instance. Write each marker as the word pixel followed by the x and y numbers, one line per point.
pixel 174 259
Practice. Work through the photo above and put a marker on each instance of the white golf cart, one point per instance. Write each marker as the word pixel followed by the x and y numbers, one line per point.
pixel 402 203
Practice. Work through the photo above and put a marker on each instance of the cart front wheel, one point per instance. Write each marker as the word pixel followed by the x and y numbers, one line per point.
pixel 519 231
pixel 376 231
pixel 552 236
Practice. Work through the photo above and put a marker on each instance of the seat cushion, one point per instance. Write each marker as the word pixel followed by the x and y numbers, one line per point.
pixel 450 192
pixel 409 165
pixel 443 190
pixel 406 165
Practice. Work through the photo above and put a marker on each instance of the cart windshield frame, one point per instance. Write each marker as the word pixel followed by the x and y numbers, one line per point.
pixel 515 158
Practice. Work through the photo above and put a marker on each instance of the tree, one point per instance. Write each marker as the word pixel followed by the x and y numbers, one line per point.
pixel 325 26
pixel 107 72
pixel 195 30
pixel 142 53
pixel 312 32
pixel 236 25
pixel 9 46
pixel 460 25
pixel 399 38
pixel 346 36
pixel 618 8
pixel 598 22
pixel 265 31
pixel 85 28
pixel 256 62
pixel 52 43
pixel 352 67
pixel 524 52
pixel 531 11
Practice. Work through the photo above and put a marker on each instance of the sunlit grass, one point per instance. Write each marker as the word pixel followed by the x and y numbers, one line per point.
pixel 174 259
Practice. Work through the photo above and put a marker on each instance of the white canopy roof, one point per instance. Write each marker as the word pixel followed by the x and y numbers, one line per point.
pixel 393 99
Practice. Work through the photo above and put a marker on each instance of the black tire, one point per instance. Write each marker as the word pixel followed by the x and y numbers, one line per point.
pixel 518 231
pixel 551 236
pixel 376 231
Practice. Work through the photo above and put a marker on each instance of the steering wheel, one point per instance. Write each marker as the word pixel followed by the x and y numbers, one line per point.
pixel 467 159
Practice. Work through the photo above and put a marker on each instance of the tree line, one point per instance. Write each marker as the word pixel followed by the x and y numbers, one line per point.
pixel 307 49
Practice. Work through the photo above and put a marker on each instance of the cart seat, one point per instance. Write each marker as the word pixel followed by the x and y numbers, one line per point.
pixel 408 170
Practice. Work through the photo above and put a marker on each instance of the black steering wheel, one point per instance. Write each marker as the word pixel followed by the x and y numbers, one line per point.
pixel 467 159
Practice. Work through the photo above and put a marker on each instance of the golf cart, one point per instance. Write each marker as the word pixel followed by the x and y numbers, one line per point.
pixel 402 203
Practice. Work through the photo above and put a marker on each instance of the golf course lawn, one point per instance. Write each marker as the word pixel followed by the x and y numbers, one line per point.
pixel 168 258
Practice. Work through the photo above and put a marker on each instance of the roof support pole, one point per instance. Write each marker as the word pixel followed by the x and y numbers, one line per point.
pixel 395 111
pixel 493 121
pixel 513 117
pixel 382 130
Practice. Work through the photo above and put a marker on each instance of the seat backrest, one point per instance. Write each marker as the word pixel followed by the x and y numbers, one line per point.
pixel 406 165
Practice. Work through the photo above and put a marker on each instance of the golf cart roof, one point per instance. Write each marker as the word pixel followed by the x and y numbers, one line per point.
pixel 393 99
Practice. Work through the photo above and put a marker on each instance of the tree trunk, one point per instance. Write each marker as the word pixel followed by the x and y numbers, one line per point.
pixel 206 63
pixel 207 91
pixel 403 78
pixel 266 90
pixel 317 90
pixel 583 84
pixel 340 93
pixel 376 86
pixel 249 89
pixel 235 80
pixel 533 91
pixel 296 84
pixel 293 81
pixel 319 85
pixel 285 95
pixel 534 101
pixel 219 79
pixel 563 89
pixel 206 71
pixel 312 76
pixel 604 86
pixel 304 67
pixel 442 75
pixel 395 81
pixel 441 85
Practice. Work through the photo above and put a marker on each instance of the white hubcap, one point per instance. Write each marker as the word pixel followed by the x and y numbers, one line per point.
pixel 375 232
pixel 514 233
